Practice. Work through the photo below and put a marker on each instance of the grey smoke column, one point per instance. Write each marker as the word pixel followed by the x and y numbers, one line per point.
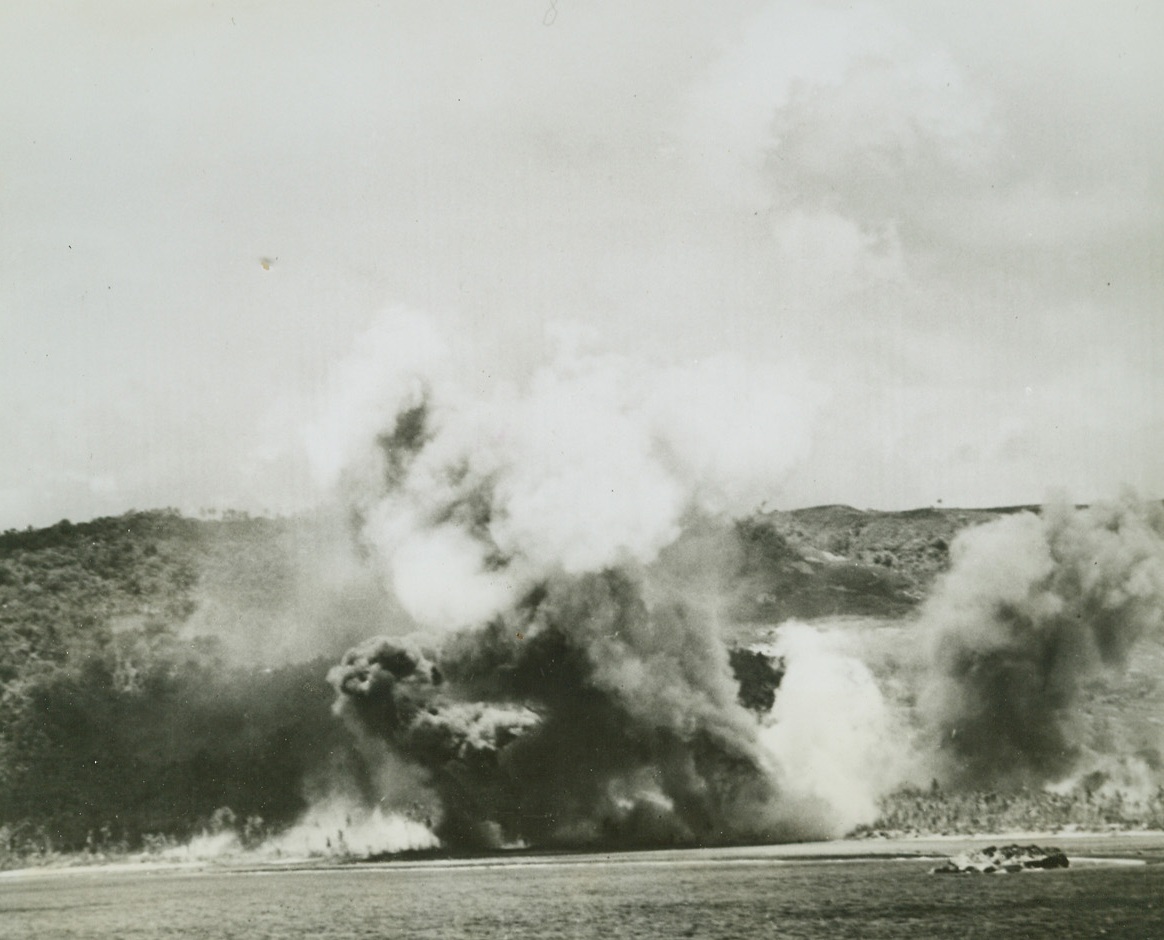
pixel 1033 607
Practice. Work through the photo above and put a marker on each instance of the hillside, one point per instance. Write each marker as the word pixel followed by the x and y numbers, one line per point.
pixel 132 700
pixel 838 561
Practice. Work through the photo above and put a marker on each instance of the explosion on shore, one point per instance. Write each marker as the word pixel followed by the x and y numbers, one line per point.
pixel 582 632
pixel 563 689
pixel 582 717
pixel 569 681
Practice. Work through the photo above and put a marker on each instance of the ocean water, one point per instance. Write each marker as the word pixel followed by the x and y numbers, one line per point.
pixel 590 897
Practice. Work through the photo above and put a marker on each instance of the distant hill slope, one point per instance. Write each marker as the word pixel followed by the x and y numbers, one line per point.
pixel 125 708
pixel 64 587
pixel 836 560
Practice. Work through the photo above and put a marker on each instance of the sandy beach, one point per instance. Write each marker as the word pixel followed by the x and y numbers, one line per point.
pixel 1082 848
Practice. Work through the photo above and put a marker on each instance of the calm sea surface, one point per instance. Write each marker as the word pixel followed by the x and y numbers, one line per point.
pixel 671 895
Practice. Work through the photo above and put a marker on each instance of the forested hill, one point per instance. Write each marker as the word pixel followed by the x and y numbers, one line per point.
pixel 156 668
pixel 127 706
pixel 63 589
pixel 836 560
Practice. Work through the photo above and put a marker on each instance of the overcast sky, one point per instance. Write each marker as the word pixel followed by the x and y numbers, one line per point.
pixel 946 216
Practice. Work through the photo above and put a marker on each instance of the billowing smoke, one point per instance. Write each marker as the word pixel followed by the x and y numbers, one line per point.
pixel 474 500
pixel 570 683
pixel 1033 609
pixel 561 553
pixel 581 716
pixel 840 740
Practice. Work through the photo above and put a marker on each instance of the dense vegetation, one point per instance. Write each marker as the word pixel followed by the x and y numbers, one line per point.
pixel 116 724
pixel 934 811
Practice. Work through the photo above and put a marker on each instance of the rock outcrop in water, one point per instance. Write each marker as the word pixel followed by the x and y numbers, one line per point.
pixel 1004 859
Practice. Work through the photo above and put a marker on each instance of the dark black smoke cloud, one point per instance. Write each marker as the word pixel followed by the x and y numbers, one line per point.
pixel 584 716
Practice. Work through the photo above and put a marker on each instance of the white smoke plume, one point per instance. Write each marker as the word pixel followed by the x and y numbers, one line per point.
pixel 389 369
pixel 841 743
pixel 338 827
pixel 596 463
pixel 334 827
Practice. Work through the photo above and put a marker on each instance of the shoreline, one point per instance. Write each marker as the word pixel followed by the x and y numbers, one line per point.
pixel 1082 848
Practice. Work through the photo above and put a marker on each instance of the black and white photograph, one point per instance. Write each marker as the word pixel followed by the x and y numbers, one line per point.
pixel 581 469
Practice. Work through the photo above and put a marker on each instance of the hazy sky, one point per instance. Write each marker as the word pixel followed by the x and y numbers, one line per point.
pixel 949 217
